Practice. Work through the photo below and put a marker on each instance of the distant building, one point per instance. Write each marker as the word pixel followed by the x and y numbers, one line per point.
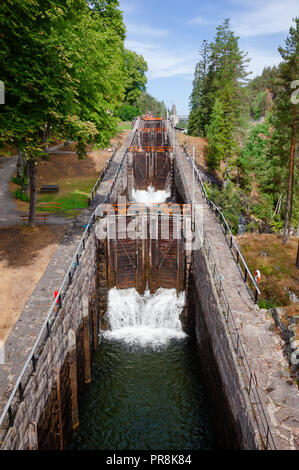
pixel 174 116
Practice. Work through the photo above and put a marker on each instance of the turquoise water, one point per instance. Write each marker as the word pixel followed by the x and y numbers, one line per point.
pixel 144 397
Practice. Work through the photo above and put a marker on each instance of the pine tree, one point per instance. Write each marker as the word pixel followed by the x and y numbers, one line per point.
pixel 216 146
pixel 199 110
pixel 285 121
pixel 228 75
pixel 220 74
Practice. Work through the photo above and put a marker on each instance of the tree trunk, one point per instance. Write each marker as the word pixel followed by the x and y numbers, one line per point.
pixel 293 150
pixel 46 137
pixel 292 156
pixel 19 163
pixel 297 260
pixel 33 187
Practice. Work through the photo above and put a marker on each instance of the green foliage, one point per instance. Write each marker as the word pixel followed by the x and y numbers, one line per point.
pixel 19 194
pixel 233 203
pixel 219 75
pixel 127 112
pixel 267 303
pixel 259 105
pixel 253 158
pixel 199 99
pixel 17 180
pixel 147 102
pixel 135 78
pixel 215 131
pixel 65 69
pixel 262 91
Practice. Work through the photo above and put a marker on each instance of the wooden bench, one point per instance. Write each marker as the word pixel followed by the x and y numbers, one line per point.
pixel 49 205
pixel 49 188
pixel 25 218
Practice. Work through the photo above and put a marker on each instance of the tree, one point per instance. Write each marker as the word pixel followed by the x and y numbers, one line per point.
pixel 135 78
pixel 285 120
pixel 64 70
pixel 127 112
pixel 220 74
pixel 147 102
pixel 228 76
pixel 215 130
pixel 199 105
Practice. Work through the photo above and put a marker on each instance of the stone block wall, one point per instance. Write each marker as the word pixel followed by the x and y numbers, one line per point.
pixel 49 411
pixel 230 406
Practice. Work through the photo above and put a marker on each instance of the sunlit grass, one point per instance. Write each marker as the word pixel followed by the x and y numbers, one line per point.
pixel 124 125
pixel 73 195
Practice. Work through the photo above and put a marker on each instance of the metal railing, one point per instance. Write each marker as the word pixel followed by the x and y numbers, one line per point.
pixel 249 280
pixel 102 174
pixel 17 394
pixel 247 374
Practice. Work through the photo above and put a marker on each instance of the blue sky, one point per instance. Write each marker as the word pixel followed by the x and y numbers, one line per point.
pixel 169 33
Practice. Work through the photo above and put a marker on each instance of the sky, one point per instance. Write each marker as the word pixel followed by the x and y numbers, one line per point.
pixel 169 33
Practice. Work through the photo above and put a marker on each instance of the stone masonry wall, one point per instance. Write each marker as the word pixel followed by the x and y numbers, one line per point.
pixel 228 397
pixel 53 389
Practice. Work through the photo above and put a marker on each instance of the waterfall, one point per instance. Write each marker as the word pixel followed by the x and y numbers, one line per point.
pixel 149 319
pixel 149 196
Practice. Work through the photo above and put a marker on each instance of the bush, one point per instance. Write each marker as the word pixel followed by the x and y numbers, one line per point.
pixel 17 180
pixel 20 195
pixel 127 112
pixel 267 303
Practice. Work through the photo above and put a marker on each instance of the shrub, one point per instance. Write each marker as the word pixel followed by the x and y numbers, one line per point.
pixel 127 112
pixel 19 194
pixel 267 303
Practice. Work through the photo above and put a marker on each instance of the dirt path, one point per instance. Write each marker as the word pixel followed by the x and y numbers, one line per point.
pixel 9 214
pixel 24 255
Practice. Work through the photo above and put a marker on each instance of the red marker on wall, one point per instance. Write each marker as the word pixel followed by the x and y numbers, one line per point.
pixel 56 295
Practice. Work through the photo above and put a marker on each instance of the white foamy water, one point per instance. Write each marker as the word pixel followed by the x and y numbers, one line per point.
pixel 145 319
pixel 149 196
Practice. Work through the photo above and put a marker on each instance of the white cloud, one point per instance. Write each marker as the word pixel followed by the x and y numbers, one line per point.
pixel 164 62
pixel 265 17
pixel 144 30
pixel 198 20
pixel 260 59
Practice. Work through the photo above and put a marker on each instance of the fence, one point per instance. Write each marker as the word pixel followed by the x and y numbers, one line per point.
pixel 100 178
pixel 249 280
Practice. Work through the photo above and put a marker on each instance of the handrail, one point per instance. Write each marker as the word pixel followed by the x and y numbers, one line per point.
pixel 45 331
pixel 102 174
pixel 233 245
pixel 251 387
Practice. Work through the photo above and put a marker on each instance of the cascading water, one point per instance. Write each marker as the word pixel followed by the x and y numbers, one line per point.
pixel 149 196
pixel 147 390
pixel 145 319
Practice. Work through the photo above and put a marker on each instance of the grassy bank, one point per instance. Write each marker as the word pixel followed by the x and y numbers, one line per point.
pixel 276 263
